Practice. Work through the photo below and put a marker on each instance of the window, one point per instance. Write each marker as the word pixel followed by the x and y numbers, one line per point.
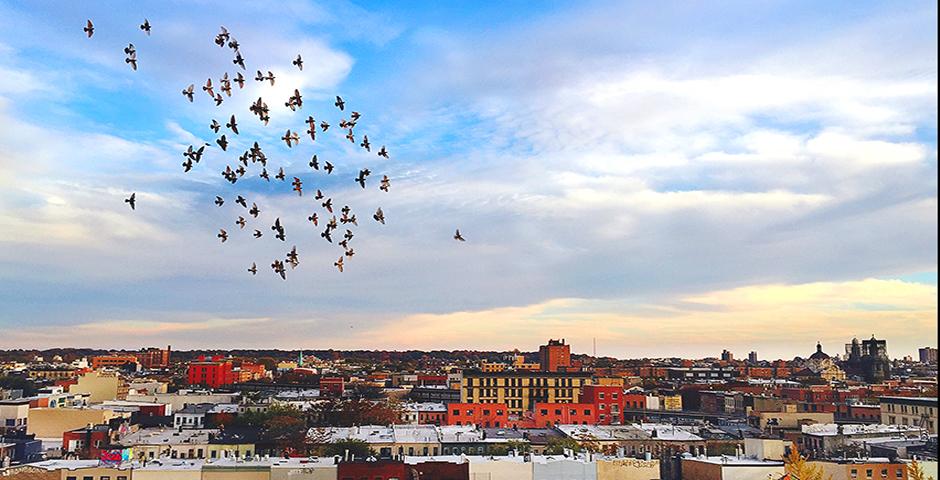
pixel 854 473
pixel 557 411
pixel 456 413
pixel 868 473
pixel 72 477
pixel 884 473
pixel 105 477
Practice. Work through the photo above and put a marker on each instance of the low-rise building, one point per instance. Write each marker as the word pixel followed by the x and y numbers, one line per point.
pixel 916 411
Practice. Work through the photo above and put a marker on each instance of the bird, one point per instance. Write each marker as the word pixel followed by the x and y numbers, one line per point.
pixel 226 84
pixel 298 186
pixel 339 103
pixel 241 201
pixel 319 195
pixel 326 234
pixel 232 125
pixel 254 210
pixel 312 128
pixel 132 201
pixel 328 167
pixel 145 26
pixel 270 77
pixel 187 165
pixel 280 174
pixel 223 235
pixel 458 236
pixel 259 77
pixel 264 174
pixel 215 126
pixel 379 216
pixel 339 264
pixel 208 88
pixel 350 136
pixel 240 222
pixel 240 80
pixel 383 152
pixel 233 44
pixel 223 142
pixel 219 200
pixel 328 205
pixel 385 183
pixel 239 60
pixel 258 234
pixel 354 116
pixel 253 269
pixel 277 227
pixel 314 219
pixel 362 177
pixel 292 257
pixel 314 163
pixel 278 267
pixel 188 92
pixel 130 49
pixel 348 235
pixel 324 126
pixel 299 62
pixel 89 29
pixel 222 36
pixel 218 99
pixel 132 61
pixel 365 143
pixel 350 252
pixel 290 137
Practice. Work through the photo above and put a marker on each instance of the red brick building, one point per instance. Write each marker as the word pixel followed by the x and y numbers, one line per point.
pixel 482 414
pixel 609 402
pixel 154 358
pixel 547 415
pixel 112 361
pixel 554 357
pixel 378 470
pixel 332 386
pixel 439 471
pixel 214 373
pixel 86 443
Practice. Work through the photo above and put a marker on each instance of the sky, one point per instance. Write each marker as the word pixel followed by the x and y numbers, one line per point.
pixel 670 179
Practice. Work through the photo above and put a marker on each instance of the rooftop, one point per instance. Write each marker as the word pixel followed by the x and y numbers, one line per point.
pixel 832 429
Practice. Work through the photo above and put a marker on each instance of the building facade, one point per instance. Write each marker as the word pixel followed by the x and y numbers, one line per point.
pixel 521 390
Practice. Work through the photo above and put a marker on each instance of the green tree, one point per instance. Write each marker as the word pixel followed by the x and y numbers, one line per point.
pixel 503 449
pixel 357 448
pixel 557 446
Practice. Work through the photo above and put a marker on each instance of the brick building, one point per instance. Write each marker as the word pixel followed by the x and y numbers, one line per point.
pixel 214 373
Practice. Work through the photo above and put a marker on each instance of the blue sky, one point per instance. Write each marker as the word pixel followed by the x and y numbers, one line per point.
pixel 671 179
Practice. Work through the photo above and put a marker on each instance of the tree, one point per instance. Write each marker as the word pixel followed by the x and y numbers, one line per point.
pixel 357 448
pixel 557 446
pixel 916 472
pixel 797 468
pixel 18 383
pixel 503 449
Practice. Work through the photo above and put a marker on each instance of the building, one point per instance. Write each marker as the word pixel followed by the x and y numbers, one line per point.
pixel 927 355
pixel 548 415
pixel 521 390
pixel 822 366
pixel 112 361
pixel 555 356
pixel 154 358
pixel 824 440
pixel 14 415
pixel 52 423
pixel 752 357
pixel 332 386
pixel 215 372
pixel 86 442
pixel 697 374
pixel 609 402
pixel 482 414
pixel 100 386
pixel 868 359
pixel 728 467
pixel 727 356
pixel 916 411
pixel 862 469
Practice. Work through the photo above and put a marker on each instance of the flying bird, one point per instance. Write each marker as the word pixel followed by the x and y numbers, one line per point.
pixel 132 61
pixel 324 126
pixel 240 222
pixel 132 201
pixel 258 234
pixel 328 167
pixel 215 126
pixel 383 152
pixel 339 103
pixel 385 183
pixel 254 210
pixel 278 267
pixel 298 186
pixel 254 268
pixel 280 174
pixel 239 60
pixel 328 205
pixel 365 143
pixel 89 29
pixel 241 201
pixel 362 177
pixel 314 163
pixel 314 219
pixel 240 80
pixel 223 235
pixel 232 125
pixel 208 88
pixel 145 26
pixel 218 99
pixel 219 201
pixel 299 62
pixel 458 236
pixel 223 142
pixel 188 92
pixel 379 216
pixel 339 264
pixel 319 195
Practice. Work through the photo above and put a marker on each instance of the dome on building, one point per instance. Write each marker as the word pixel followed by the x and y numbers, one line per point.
pixel 819 355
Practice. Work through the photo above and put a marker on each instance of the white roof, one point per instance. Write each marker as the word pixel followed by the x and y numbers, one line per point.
pixel 731 460
pixel 166 436
pixel 425 406
pixel 832 429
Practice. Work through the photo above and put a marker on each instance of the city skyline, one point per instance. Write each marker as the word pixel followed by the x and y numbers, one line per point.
pixel 671 180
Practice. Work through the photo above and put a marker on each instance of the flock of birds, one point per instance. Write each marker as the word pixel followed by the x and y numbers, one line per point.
pixel 255 156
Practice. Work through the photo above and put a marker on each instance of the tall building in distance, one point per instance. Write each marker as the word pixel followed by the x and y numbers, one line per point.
pixel 752 357
pixel 154 358
pixel 727 356
pixel 868 359
pixel 927 355
pixel 555 357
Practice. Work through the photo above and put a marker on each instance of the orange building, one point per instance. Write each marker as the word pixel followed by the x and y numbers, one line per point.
pixel 554 357
pixel 482 414
pixel 112 361
pixel 547 415
pixel 154 358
